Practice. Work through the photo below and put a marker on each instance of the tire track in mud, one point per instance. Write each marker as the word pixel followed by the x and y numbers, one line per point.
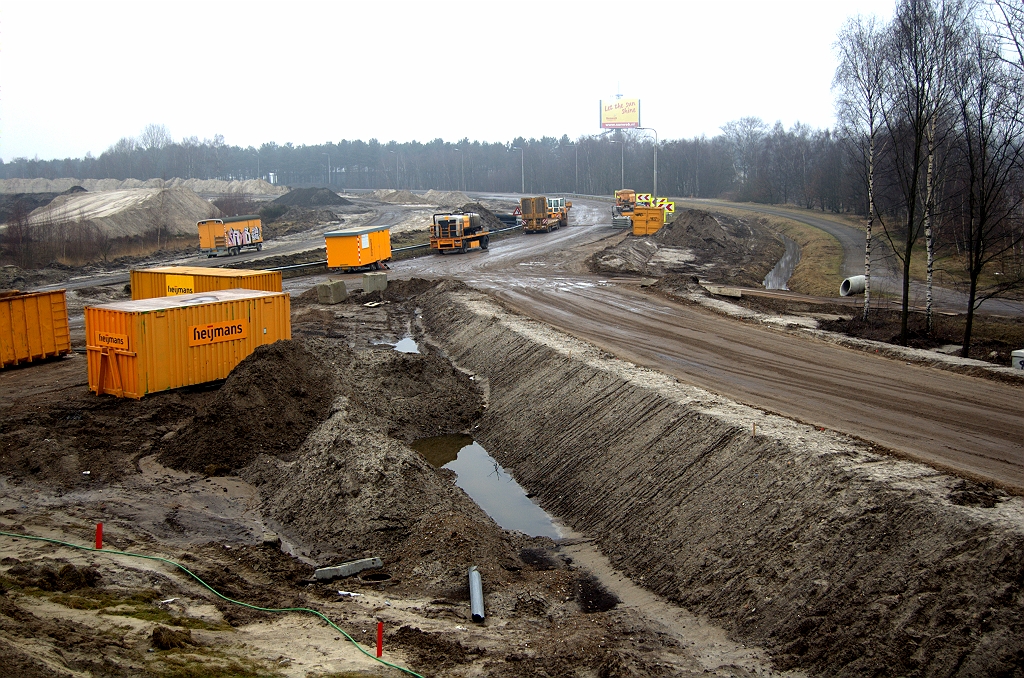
pixel 949 420
pixel 835 558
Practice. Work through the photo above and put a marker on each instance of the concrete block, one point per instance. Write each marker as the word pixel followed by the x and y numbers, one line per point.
pixel 375 282
pixel 332 292
pixel 347 569
pixel 1017 359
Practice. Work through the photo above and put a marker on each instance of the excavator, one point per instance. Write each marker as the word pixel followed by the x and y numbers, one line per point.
pixel 625 203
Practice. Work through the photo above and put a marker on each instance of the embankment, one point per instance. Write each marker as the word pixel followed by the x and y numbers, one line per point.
pixel 835 557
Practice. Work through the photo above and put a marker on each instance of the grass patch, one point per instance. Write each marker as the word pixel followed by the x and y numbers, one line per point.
pixel 206 663
pixel 819 272
pixel 137 606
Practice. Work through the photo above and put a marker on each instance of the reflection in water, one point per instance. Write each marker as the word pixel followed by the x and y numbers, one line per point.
pixel 779 276
pixel 487 483
pixel 440 450
pixel 407 345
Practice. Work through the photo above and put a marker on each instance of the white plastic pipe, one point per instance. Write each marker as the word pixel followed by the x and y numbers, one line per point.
pixel 476 595
pixel 853 285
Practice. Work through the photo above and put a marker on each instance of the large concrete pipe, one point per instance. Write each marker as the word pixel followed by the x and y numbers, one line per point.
pixel 476 594
pixel 852 285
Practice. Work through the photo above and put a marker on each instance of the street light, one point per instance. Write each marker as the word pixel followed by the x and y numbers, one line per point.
pixel 463 158
pixel 622 145
pixel 576 146
pixel 396 168
pixel 328 168
pixel 522 163
pixel 651 129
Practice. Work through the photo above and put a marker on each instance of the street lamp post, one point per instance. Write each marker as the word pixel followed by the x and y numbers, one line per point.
pixel 576 147
pixel 328 168
pixel 396 168
pixel 522 166
pixel 622 170
pixel 651 129
pixel 463 159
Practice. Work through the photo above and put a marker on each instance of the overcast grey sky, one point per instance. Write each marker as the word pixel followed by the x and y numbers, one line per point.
pixel 77 76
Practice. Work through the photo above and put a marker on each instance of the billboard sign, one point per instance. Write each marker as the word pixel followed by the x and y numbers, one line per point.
pixel 620 114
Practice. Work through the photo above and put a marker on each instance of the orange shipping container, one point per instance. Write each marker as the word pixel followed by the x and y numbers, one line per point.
pixel 648 220
pixel 358 246
pixel 150 345
pixel 169 281
pixel 33 326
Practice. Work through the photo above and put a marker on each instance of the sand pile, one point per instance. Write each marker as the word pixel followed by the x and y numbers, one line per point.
pixel 126 213
pixel 268 405
pixel 207 186
pixel 311 197
pixel 714 247
pixel 399 197
pixel 446 198
pixel 492 222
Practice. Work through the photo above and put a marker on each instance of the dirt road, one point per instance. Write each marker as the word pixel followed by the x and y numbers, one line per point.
pixel 969 425
pixel 886 269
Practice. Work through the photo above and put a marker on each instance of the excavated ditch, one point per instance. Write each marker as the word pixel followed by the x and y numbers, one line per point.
pixel 836 557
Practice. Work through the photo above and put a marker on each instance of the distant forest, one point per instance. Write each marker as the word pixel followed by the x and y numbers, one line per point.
pixel 750 160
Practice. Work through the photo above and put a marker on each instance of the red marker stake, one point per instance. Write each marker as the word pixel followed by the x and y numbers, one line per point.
pixel 99 536
pixel 380 638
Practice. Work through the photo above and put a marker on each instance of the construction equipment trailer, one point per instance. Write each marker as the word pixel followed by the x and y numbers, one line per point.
pixel 536 218
pixel 230 235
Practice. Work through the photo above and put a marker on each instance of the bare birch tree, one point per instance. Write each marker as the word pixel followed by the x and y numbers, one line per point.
pixel 920 40
pixel 860 79
pixel 990 105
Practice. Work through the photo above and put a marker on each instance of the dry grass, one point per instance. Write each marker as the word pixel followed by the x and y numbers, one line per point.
pixel 819 272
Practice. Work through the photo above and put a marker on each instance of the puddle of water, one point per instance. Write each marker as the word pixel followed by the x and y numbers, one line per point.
pixel 778 277
pixel 440 450
pixel 488 484
pixel 405 345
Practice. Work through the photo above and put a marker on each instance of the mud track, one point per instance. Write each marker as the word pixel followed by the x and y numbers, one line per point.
pixel 834 557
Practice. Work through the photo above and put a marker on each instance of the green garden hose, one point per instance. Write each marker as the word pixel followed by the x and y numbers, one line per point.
pixel 217 593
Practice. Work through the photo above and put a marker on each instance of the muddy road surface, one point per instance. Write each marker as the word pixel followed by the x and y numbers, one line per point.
pixel 969 425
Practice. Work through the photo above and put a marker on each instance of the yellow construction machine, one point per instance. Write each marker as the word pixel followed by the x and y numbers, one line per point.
pixel 558 208
pixel 458 232
pixel 536 217
pixel 622 210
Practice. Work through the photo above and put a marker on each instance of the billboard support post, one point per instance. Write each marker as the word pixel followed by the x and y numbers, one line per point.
pixel 651 129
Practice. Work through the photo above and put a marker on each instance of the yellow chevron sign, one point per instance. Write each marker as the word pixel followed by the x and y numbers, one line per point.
pixel 670 207
pixel 643 198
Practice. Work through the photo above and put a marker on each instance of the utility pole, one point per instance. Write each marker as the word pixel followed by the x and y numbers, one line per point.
pixel 576 147
pixel 328 168
pixel 462 157
pixel 651 129
pixel 622 171
pixel 522 162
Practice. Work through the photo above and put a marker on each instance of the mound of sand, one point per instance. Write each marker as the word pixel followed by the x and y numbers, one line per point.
pixel 399 197
pixel 446 198
pixel 311 197
pixel 714 247
pixel 206 186
pixel 268 405
pixel 492 222
pixel 126 213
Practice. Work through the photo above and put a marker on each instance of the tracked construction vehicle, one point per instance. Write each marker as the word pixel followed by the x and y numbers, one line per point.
pixel 458 232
